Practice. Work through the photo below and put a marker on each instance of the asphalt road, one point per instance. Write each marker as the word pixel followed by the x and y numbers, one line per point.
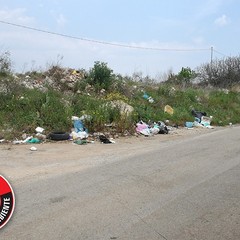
pixel 185 189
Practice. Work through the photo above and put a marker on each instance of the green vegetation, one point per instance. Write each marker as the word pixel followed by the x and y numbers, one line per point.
pixel 94 93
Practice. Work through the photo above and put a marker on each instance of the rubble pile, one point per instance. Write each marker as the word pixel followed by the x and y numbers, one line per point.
pixel 56 77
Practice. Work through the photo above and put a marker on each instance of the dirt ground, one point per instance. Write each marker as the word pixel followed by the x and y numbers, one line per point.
pixel 19 163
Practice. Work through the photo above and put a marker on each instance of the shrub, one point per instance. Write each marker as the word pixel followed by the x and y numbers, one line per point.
pixel 100 76
pixel 222 73
pixel 5 64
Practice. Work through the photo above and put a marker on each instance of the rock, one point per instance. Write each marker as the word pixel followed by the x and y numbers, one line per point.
pixel 123 107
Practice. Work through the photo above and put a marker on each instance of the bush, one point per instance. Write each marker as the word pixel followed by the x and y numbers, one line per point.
pixel 100 76
pixel 5 64
pixel 223 73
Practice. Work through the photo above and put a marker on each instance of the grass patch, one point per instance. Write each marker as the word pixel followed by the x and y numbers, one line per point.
pixel 22 110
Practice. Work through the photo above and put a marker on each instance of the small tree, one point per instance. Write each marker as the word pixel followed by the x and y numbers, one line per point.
pixel 185 75
pixel 100 76
pixel 5 63
pixel 183 78
pixel 221 73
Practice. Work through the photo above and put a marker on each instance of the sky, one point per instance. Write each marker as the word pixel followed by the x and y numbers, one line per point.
pixel 151 37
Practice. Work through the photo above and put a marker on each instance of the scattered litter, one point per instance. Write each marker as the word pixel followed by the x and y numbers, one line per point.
pixel 33 148
pixel 39 130
pixel 198 115
pixel 75 118
pixel 151 129
pixel 18 141
pixel 75 72
pixel 79 129
pixel 81 135
pixel 163 129
pixel 189 124
pixel 104 139
pixel 33 140
pixel 22 141
pixel 168 109
pixel 59 136
pixel 85 117
pixel 80 142
pixel 147 97
pixel 151 100
pixel 206 121
pixel 112 141
pixel 143 128
pixel 78 126
pixel 41 136
pixel 201 119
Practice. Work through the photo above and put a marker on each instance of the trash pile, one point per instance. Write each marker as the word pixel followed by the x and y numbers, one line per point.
pixel 200 120
pixel 79 134
pixel 37 138
pixel 152 128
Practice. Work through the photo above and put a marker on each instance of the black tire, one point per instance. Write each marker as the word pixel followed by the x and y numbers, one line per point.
pixel 104 139
pixel 58 136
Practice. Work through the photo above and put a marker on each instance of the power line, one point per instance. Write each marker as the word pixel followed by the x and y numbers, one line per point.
pixel 220 53
pixel 103 42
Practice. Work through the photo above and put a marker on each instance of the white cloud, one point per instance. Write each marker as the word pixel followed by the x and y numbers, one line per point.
pixel 17 15
pixel 199 40
pixel 209 7
pixel 61 20
pixel 222 21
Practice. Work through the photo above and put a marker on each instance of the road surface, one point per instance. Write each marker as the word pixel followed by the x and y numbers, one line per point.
pixel 180 189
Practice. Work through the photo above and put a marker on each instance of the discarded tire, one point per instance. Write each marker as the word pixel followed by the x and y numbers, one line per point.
pixel 104 139
pixel 58 136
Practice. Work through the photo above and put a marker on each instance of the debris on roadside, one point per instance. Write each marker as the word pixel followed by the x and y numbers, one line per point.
pixel 2 139
pixel 59 136
pixel 105 140
pixel 143 128
pixel 168 109
pixel 152 128
pixel 33 140
pixel 29 139
pixel 189 125
pixel 39 129
pixel 163 128
pixel 33 148
pixel 41 137
pixel 80 142
pixel 200 120
pixel 79 131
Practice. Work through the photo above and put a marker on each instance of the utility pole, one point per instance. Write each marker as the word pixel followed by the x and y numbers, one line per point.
pixel 211 56
pixel 211 62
